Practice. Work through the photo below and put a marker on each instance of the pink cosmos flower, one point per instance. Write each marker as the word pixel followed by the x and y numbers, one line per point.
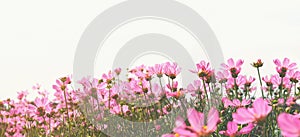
pixel 289 125
pixel 171 69
pixel 195 88
pixel 258 112
pixel 22 94
pixel 181 127
pixel 290 101
pixel 223 76
pixel 108 77
pixel 240 82
pixel 118 71
pixel 294 76
pixel 284 67
pixel 232 67
pixel 235 102
pixel 203 69
pixel 198 128
pixel 275 81
pixel 157 69
pixel 233 130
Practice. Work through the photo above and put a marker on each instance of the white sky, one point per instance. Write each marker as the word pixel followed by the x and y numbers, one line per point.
pixel 38 38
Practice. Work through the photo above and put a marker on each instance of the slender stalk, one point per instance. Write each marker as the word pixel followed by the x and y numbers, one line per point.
pixel 205 91
pixel 260 82
pixel 108 98
pixel 49 126
pixel 295 88
pixel 66 102
pixel 281 87
pixel 236 89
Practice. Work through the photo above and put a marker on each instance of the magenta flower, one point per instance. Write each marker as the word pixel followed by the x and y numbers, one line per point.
pixel 233 130
pixel 258 112
pixel 284 67
pixel 232 67
pixel 289 125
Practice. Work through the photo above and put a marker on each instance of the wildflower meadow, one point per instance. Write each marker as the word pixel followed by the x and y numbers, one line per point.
pixel 151 101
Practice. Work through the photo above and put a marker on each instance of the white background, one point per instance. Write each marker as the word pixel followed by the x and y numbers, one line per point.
pixel 38 39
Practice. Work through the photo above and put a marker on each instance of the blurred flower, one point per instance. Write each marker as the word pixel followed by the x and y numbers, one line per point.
pixel 235 102
pixel 289 125
pixel 198 128
pixel 258 112
pixel 118 71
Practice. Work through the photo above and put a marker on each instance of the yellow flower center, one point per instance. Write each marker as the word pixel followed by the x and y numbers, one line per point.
pixel 177 135
pixel 204 127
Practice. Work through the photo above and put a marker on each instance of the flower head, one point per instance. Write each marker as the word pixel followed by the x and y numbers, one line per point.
pixel 284 67
pixel 232 67
pixel 171 69
pixel 257 64
pixel 203 69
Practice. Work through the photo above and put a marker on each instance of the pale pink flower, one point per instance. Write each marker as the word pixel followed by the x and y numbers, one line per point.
pixel 223 76
pixel 195 87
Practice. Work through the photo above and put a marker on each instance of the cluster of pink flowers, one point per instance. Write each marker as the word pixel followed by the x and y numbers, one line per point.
pixel 222 103
pixel 242 111
pixel 44 115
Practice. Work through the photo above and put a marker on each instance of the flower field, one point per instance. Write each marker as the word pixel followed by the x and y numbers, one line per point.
pixel 150 101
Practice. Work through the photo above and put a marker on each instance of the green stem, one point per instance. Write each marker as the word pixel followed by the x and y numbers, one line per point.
pixel 281 87
pixel 205 91
pixel 236 89
pixel 67 110
pixel 260 82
